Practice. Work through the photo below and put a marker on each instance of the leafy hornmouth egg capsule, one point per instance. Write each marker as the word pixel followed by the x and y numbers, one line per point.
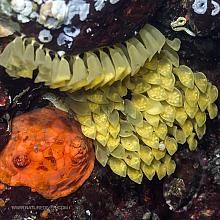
pixel 135 110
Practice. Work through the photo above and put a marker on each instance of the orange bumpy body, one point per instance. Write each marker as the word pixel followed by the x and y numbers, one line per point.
pixel 47 152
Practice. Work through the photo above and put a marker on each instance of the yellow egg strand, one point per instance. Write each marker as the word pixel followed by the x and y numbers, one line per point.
pixel 139 135
pixel 92 69
pixel 133 99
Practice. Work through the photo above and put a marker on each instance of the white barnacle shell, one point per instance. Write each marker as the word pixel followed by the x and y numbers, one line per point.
pixel 45 36
pixel 64 39
pixel 28 8
pixel 18 5
pixel 59 10
pixel 99 4
pixel 23 18
pixel 45 11
pixel 114 1
pixel 61 53
pixel 23 8
pixel 52 13
pixel 216 9
pixel 77 7
pixel 200 6
pixel 71 31
pixel 34 15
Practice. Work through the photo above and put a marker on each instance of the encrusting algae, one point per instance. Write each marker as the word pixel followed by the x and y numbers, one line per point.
pixel 133 99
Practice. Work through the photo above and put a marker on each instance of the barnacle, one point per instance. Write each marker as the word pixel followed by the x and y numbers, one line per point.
pixel 48 153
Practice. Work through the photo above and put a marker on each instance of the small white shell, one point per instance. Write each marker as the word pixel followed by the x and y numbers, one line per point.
pixel 71 31
pixel 45 36
pixel 79 7
pixel 200 6
pixel 99 5
pixel 64 40
pixel 216 9
pixel 18 5
pixel 59 10
pixel 114 1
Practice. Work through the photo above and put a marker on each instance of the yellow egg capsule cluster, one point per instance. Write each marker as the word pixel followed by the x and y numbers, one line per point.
pixel 137 123
pixel 92 69
pixel 135 101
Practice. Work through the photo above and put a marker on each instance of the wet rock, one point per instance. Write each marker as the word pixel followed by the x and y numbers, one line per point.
pixel 214 166
pixel 4 97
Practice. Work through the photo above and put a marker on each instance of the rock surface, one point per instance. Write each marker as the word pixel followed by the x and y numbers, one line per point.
pixel 106 196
